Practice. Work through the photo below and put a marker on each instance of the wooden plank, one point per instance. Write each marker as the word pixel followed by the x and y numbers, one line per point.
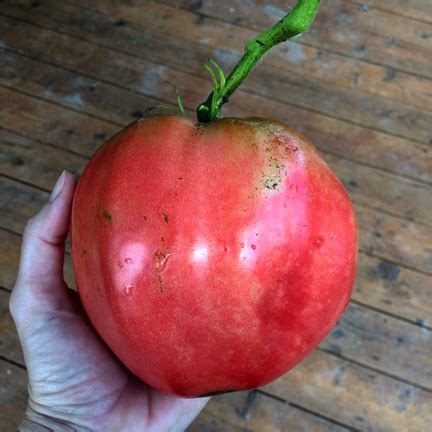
pixel 9 258
pixel 355 396
pixel 375 113
pixel 385 192
pixel 13 396
pixel 316 77
pixel 417 9
pixel 292 57
pixel 330 135
pixel 398 196
pixel 345 28
pixel 395 239
pixel 223 413
pixel 255 412
pixel 394 289
pixel 363 335
pixel 59 127
pixel 383 343
pixel 379 283
pixel 400 409
pixel 18 207
pixel 36 162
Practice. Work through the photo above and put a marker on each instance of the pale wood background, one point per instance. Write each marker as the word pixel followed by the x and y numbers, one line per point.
pixel 358 85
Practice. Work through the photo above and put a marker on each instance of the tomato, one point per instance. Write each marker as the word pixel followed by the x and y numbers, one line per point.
pixel 211 257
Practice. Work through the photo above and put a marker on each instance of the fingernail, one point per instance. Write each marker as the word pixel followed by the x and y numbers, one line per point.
pixel 58 187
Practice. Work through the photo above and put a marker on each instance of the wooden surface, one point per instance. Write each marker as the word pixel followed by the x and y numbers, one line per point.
pixel 359 85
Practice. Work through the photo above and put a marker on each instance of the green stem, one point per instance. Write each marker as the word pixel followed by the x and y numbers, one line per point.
pixel 297 21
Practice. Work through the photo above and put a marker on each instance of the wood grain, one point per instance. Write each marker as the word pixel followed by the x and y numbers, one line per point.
pixel 223 413
pixel 398 196
pixel 254 412
pixel 375 113
pixel 137 77
pixel 291 57
pixel 416 9
pixel 355 396
pixel 369 35
pixel 13 397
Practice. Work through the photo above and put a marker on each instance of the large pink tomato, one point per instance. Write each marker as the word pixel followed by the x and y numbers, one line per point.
pixel 211 257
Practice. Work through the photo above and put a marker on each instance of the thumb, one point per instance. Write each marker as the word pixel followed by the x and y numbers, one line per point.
pixel 40 275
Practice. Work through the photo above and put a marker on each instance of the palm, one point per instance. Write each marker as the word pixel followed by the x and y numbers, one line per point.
pixel 73 376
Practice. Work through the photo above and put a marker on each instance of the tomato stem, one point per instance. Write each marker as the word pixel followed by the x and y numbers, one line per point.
pixel 297 21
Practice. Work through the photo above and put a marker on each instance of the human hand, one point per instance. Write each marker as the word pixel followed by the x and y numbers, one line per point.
pixel 75 382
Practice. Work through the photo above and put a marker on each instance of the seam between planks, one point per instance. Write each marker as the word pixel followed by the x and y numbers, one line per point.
pixel 18 133
pixel 383 131
pixel 373 369
pixel 295 405
pixel 417 323
pixel 383 10
pixel 24 182
pixel 13 362
pixel 395 262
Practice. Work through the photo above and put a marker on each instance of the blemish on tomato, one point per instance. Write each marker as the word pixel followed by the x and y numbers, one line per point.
pixel 319 241
pixel 84 252
pixel 165 218
pixel 160 260
pixel 253 247
pixel 161 287
pixel 128 260
pixel 127 288
pixel 107 215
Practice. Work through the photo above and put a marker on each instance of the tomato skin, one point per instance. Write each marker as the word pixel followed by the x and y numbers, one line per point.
pixel 211 257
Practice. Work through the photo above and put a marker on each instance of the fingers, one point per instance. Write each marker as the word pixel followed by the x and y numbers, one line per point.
pixel 40 276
